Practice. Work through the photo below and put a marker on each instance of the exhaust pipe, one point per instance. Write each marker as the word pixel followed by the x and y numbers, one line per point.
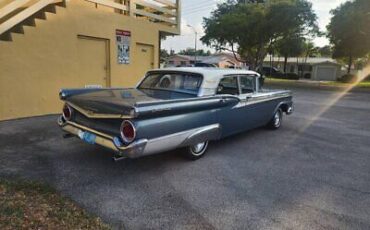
pixel 118 158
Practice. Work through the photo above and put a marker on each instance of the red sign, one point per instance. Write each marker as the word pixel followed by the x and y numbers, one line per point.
pixel 123 33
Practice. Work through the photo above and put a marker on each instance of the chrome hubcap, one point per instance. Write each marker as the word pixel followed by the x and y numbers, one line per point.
pixel 277 119
pixel 198 147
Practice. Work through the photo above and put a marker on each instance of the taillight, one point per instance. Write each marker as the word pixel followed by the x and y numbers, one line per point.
pixel 67 112
pixel 128 132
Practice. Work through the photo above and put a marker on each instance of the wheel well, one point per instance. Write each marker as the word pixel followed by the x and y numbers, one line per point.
pixel 284 107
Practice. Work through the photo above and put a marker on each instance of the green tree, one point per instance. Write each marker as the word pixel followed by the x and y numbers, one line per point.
pixel 310 50
pixel 191 52
pixel 325 51
pixel 349 31
pixel 163 55
pixel 251 1
pixel 250 30
pixel 290 47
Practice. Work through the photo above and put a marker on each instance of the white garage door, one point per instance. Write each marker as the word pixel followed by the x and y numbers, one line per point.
pixel 326 73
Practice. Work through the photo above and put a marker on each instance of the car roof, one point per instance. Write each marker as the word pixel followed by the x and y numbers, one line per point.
pixel 208 71
pixel 211 76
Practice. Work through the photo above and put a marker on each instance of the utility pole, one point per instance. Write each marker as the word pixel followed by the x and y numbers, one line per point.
pixel 195 43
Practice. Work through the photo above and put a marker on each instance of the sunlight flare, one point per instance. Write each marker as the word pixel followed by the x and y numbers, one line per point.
pixel 336 97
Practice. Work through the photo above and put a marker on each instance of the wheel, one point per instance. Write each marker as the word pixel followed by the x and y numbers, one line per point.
pixel 276 120
pixel 196 151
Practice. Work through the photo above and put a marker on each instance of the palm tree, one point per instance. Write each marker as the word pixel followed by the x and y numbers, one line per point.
pixel 309 50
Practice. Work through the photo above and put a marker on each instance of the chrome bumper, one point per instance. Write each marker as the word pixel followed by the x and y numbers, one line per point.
pixel 133 150
pixel 143 147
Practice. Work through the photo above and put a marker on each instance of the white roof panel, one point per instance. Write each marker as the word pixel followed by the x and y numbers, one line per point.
pixel 211 76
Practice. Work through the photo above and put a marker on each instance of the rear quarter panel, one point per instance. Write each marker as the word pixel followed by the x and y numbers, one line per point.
pixel 161 126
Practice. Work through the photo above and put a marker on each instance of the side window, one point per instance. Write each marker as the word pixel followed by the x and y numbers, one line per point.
pixel 228 85
pixel 247 84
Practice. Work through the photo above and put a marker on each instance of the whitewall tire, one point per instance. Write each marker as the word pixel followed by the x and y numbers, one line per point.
pixel 276 120
pixel 196 151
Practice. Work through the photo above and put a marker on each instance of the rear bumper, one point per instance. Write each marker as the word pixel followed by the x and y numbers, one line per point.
pixel 133 150
pixel 143 147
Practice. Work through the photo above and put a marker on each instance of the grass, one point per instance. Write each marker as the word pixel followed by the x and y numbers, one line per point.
pixel 30 205
pixel 363 84
pixel 279 80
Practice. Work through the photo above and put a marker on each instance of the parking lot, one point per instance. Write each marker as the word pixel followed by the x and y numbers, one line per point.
pixel 313 173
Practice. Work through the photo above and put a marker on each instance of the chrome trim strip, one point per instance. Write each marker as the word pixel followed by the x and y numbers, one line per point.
pixel 210 132
pixel 192 100
pixel 143 147
pixel 175 140
pixel 254 99
pixel 91 114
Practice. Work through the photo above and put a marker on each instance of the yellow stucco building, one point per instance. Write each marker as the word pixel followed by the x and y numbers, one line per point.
pixel 46 45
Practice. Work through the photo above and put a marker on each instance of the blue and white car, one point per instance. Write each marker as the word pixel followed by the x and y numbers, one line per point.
pixel 173 108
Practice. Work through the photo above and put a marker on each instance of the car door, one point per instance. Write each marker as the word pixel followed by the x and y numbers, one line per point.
pixel 242 116
pixel 255 110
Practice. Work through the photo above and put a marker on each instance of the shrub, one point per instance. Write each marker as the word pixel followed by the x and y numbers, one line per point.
pixel 292 76
pixel 289 76
pixel 367 78
pixel 307 76
pixel 348 78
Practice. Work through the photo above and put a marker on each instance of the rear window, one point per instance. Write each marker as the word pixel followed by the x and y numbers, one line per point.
pixel 178 82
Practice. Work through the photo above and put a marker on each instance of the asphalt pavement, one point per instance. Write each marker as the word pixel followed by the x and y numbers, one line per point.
pixel 313 173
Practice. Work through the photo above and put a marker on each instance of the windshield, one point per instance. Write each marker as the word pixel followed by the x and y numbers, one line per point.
pixel 178 82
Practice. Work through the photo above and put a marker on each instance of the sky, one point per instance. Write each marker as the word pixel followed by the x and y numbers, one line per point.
pixel 193 12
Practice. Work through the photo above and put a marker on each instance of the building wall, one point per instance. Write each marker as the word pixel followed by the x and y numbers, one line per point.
pixel 178 61
pixel 226 63
pixel 334 77
pixel 48 57
pixel 312 72
pixel 5 2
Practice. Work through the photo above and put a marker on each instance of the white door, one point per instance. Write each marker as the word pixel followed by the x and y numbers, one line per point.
pixel 326 73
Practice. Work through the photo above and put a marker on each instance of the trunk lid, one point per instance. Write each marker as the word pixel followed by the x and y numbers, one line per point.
pixel 119 101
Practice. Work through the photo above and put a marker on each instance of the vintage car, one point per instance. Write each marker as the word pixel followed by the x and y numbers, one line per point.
pixel 172 108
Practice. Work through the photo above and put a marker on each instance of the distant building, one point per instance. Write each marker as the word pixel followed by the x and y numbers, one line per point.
pixel 320 69
pixel 221 60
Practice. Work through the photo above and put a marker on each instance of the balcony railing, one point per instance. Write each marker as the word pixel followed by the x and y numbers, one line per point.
pixel 165 12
